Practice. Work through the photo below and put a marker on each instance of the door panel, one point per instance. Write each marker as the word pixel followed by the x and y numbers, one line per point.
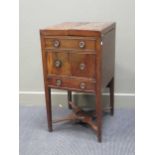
pixel 82 65
pixel 58 63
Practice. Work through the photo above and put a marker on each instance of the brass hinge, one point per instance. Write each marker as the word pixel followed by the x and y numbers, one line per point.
pixel 101 42
pixel 102 39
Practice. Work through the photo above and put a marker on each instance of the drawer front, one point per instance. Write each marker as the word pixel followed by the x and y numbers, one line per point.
pixel 71 64
pixel 77 43
pixel 72 84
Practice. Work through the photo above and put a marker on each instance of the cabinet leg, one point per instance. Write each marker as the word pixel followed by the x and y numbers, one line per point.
pixel 99 116
pixel 48 107
pixel 69 99
pixel 111 86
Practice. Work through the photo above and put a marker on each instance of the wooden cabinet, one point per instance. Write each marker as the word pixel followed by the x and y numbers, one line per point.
pixel 79 57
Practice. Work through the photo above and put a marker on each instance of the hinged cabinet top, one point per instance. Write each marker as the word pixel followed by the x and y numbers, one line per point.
pixel 79 28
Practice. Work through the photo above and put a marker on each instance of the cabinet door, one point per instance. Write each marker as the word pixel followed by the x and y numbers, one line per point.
pixel 58 63
pixel 82 65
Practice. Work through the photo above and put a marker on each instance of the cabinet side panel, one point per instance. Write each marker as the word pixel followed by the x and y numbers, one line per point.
pixel 44 61
pixel 108 57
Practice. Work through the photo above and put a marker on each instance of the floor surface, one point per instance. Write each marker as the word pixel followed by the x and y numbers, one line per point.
pixel 73 138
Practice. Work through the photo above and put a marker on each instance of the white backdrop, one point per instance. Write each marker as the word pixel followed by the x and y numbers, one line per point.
pixel 36 14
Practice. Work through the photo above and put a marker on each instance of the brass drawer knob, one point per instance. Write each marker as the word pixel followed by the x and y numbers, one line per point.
pixel 82 66
pixel 81 44
pixel 58 82
pixel 58 63
pixel 82 85
pixel 56 43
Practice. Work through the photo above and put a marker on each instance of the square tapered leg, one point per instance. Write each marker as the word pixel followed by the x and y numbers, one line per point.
pixel 48 107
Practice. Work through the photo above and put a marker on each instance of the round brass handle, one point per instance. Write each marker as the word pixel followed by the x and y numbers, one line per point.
pixel 82 85
pixel 58 82
pixel 81 44
pixel 56 43
pixel 82 66
pixel 58 63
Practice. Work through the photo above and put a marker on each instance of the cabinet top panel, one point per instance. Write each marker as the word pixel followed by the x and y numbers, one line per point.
pixel 79 28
